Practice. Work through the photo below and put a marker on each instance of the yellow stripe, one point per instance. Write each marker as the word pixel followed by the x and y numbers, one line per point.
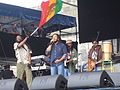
pixel 51 10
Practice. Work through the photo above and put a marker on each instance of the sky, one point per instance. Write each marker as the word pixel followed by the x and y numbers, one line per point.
pixel 23 3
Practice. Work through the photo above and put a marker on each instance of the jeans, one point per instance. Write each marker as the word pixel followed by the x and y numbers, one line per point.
pixel 97 68
pixel 66 72
pixel 57 69
pixel 82 67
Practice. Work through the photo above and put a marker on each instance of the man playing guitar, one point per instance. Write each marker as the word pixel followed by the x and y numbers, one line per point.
pixel 95 56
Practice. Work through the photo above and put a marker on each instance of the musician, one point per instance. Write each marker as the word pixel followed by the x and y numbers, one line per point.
pixel 71 59
pixel 95 55
pixel 57 53
pixel 23 55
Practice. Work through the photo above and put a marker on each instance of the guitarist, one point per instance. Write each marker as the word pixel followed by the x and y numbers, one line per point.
pixel 95 55
pixel 71 59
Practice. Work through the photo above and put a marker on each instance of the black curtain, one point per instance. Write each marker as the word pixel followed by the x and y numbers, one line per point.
pixel 37 44
pixel 101 16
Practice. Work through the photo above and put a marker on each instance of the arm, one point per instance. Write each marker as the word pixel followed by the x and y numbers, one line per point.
pixel 69 61
pixel 90 53
pixel 64 50
pixel 73 57
pixel 63 58
pixel 29 56
pixel 22 42
pixel 48 50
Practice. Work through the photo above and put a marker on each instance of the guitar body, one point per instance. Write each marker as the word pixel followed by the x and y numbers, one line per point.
pixel 91 64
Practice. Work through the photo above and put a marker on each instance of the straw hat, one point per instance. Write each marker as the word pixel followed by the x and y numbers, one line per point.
pixel 68 41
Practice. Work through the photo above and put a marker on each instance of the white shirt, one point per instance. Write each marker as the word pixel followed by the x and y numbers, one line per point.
pixel 22 53
pixel 94 55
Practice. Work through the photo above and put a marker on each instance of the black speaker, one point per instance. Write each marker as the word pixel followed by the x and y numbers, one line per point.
pixel 57 82
pixel 89 80
pixel 13 84
pixel 115 76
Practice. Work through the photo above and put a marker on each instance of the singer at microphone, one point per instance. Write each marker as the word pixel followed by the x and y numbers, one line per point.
pixel 47 52
pixel 56 53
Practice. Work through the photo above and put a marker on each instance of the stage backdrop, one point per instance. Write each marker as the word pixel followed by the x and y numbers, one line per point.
pixel 37 44
pixel 98 16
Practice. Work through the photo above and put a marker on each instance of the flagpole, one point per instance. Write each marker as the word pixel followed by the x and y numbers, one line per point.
pixel 34 31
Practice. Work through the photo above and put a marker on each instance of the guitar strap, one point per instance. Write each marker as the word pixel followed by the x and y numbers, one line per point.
pixel 98 53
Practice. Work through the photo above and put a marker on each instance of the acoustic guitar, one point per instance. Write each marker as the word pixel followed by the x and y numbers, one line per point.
pixel 92 64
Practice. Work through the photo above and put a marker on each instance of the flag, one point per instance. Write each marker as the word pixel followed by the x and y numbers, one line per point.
pixel 49 9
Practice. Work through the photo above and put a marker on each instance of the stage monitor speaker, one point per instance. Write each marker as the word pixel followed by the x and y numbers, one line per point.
pixel 89 80
pixel 57 82
pixel 115 76
pixel 13 84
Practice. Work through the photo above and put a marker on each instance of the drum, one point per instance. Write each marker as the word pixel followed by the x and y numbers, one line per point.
pixel 107 50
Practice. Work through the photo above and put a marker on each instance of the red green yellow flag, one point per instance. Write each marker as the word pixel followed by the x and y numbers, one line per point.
pixel 49 9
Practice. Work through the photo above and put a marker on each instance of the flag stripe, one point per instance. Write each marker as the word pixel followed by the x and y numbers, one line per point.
pixel 44 7
pixel 49 9
pixel 58 6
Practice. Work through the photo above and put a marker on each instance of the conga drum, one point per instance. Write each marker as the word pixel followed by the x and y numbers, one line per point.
pixel 107 50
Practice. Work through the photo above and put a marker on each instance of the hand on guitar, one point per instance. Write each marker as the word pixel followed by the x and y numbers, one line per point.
pixel 69 61
pixel 92 64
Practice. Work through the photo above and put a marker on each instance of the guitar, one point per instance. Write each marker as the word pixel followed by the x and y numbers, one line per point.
pixel 92 64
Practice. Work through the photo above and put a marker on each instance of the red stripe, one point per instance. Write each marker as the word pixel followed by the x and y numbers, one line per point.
pixel 44 7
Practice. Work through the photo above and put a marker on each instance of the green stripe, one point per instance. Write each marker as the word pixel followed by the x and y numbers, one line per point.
pixel 58 6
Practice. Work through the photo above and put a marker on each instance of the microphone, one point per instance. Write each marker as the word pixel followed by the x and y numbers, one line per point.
pixel 51 43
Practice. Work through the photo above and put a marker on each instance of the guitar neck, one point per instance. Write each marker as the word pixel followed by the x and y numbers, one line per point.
pixel 98 61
